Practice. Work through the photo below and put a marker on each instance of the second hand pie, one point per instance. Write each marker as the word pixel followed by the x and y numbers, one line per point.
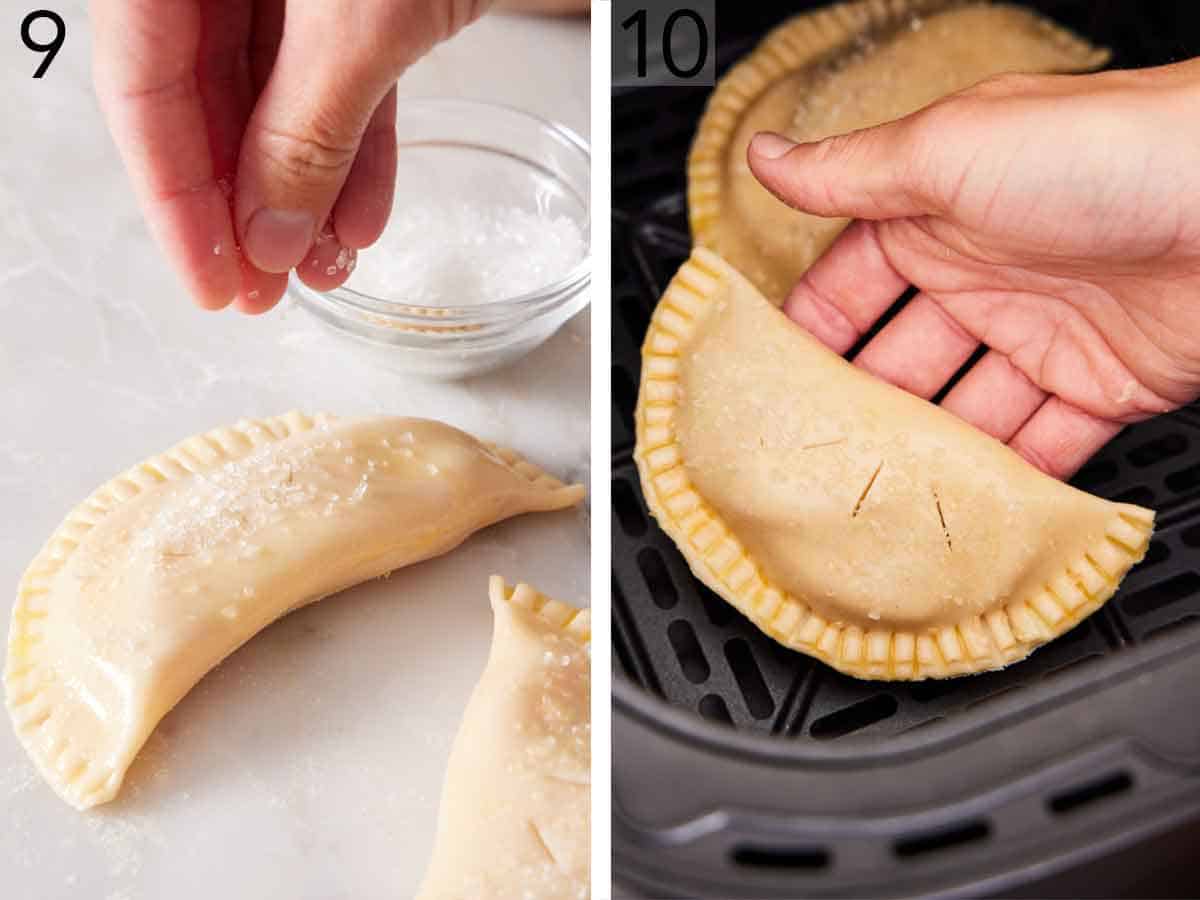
pixel 169 568
pixel 834 70
pixel 515 811
pixel 849 519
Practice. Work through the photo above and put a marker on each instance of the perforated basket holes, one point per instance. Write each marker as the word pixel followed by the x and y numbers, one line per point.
pixel 630 654
pixel 1089 793
pixel 715 662
pixel 695 650
pixel 858 715
pixel 1151 464
pixel 942 839
pixel 781 859
pixel 679 639
pixel 919 846
pixel 815 860
pixel 754 686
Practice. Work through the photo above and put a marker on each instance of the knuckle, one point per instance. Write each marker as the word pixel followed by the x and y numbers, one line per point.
pixel 933 164
pixel 1038 458
pixel 456 15
pixel 303 157
pixel 937 121
pixel 838 147
pixel 423 26
pixel 1005 84
pixel 917 146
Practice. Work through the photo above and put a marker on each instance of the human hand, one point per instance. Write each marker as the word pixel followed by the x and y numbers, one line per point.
pixel 546 7
pixel 1054 219
pixel 256 148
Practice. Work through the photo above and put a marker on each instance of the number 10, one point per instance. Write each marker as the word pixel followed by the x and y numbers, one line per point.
pixel 638 21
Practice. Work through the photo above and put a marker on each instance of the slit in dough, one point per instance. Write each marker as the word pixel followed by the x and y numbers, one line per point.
pixel 170 567
pixel 849 519
pixel 835 70
pixel 514 819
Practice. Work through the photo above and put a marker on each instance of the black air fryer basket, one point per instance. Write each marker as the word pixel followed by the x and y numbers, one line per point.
pixel 744 769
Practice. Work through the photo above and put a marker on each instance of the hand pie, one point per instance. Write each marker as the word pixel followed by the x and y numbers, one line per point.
pixel 836 70
pixel 514 819
pixel 169 568
pixel 849 519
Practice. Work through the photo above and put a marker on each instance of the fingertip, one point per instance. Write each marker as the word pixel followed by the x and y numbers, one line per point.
pixel 861 174
pixel 212 281
pixel 257 307
pixel 298 148
pixel 328 265
pixel 277 240
pixel 195 232
pixel 769 146
pixel 362 209
pixel 214 303
pixel 820 318
pixel 764 155
pixel 360 222
pixel 793 305
pixel 260 291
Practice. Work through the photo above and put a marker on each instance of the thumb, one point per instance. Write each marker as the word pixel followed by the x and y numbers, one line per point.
pixel 307 126
pixel 298 148
pixel 865 174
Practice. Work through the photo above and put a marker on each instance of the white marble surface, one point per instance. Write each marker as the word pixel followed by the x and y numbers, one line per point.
pixel 309 764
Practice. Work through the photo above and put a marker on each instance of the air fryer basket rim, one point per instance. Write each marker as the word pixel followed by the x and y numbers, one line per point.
pixel 862 751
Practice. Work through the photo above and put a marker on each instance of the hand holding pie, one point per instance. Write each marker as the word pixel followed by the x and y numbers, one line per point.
pixel 1054 219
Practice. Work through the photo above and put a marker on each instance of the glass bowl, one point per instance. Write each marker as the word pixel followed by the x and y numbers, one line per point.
pixel 473 157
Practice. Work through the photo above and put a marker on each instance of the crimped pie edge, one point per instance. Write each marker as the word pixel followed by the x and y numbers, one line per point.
pixel 975 643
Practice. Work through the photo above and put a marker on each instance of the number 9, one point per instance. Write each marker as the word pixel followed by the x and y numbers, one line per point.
pixel 50 49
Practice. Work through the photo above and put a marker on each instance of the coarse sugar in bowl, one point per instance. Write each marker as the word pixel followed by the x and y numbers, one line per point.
pixel 486 254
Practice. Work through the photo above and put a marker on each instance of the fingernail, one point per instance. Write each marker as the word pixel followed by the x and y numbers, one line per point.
pixel 770 146
pixel 277 240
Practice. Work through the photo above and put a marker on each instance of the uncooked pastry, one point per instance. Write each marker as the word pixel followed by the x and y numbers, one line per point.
pixel 847 518
pixel 835 70
pixel 514 819
pixel 170 567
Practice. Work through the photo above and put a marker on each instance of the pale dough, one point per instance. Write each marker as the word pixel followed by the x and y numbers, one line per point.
pixel 514 821
pixel 170 567
pixel 845 517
